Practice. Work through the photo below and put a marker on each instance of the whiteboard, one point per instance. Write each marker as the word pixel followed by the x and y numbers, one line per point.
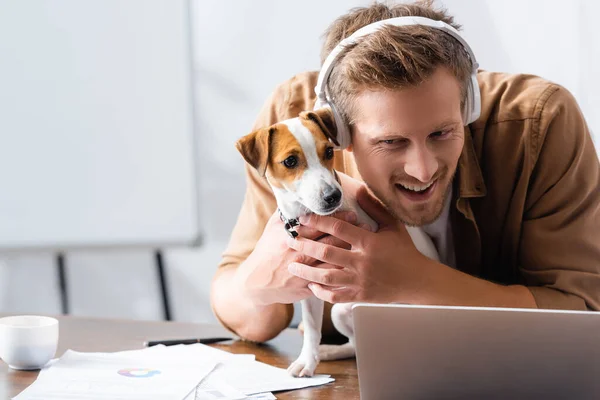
pixel 97 143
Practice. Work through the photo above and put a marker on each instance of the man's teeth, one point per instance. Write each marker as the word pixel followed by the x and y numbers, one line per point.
pixel 416 188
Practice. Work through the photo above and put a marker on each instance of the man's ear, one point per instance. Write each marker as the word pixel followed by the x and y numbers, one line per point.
pixel 324 118
pixel 254 147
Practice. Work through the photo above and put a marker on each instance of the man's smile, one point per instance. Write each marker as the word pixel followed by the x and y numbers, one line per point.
pixel 417 193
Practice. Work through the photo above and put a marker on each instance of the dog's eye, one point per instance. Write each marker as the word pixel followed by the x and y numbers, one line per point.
pixel 329 153
pixel 290 162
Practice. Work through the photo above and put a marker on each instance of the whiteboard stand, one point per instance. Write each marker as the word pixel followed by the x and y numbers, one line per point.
pixel 62 283
pixel 160 269
pixel 164 290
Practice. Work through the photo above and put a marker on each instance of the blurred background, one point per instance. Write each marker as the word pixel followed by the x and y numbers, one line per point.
pixel 240 51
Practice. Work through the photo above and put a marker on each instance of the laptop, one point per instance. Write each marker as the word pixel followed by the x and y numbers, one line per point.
pixel 431 352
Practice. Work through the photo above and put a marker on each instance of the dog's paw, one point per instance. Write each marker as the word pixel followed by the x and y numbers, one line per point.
pixel 303 366
pixel 330 352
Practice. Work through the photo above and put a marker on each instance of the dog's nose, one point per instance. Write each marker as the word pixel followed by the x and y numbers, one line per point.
pixel 333 196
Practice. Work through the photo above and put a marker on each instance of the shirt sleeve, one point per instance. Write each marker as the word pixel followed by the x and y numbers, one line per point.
pixel 560 244
pixel 259 202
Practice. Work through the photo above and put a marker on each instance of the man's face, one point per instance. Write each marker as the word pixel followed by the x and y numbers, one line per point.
pixel 407 143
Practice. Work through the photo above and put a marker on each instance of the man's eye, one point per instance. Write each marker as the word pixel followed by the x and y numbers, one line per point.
pixel 394 142
pixel 290 162
pixel 329 153
pixel 440 134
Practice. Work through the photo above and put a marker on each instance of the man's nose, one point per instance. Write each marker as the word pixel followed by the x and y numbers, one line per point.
pixel 421 164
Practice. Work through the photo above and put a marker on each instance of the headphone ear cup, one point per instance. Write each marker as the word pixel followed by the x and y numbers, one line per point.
pixel 468 107
pixel 343 131
pixel 473 101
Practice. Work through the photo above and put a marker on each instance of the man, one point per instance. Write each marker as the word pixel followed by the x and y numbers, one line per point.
pixel 511 201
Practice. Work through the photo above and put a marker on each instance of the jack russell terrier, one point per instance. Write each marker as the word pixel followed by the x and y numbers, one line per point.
pixel 296 158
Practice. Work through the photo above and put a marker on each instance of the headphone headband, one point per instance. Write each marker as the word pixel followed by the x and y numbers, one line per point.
pixel 472 106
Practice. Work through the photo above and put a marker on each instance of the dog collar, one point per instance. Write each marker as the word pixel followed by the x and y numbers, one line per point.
pixel 289 225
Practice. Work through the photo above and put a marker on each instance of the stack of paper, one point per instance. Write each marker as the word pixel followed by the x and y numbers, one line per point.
pixel 192 372
pixel 243 375
pixel 152 376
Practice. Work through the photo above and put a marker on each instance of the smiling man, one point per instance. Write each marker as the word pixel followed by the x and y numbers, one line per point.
pixel 510 200
pixel 409 159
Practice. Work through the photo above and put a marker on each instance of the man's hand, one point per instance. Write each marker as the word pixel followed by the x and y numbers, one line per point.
pixel 386 267
pixel 264 277
pixel 382 266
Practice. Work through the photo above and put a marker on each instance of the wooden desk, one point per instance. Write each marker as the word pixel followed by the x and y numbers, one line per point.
pixel 92 334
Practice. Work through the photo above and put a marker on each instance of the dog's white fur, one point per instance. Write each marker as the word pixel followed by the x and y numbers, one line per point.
pixel 300 198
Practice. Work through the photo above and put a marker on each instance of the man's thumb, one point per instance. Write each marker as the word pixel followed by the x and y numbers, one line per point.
pixel 374 208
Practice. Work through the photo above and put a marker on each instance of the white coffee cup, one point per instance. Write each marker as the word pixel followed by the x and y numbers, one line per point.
pixel 28 341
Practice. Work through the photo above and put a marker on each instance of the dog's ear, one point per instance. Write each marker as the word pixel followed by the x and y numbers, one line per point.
pixel 254 147
pixel 324 118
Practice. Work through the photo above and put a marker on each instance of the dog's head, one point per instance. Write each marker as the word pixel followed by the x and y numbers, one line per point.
pixel 296 156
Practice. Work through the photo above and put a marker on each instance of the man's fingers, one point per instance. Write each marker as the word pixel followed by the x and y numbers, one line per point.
pixel 374 208
pixel 311 233
pixel 348 216
pixel 366 227
pixel 328 240
pixel 331 295
pixel 333 241
pixel 335 227
pixel 328 276
pixel 320 251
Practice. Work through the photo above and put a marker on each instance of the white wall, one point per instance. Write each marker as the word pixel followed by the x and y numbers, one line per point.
pixel 243 49
pixel 555 39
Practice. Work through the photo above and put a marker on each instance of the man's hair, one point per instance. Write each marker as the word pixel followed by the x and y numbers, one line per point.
pixel 393 57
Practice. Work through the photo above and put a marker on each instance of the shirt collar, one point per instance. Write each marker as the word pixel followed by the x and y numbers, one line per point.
pixel 470 177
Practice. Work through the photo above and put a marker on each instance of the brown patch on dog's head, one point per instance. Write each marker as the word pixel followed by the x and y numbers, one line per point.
pixel 269 150
pixel 285 148
pixel 323 118
pixel 320 124
pixel 254 147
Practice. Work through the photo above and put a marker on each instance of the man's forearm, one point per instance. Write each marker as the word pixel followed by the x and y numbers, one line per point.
pixel 239 314
pixel 442 285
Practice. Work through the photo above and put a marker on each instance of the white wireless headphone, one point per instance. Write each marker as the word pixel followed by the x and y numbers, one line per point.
pixel 472 107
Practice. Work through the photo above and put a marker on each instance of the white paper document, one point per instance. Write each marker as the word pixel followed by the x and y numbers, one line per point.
pixel 115 376
pixel 252 377
pixel 239 375
pixel 192 372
